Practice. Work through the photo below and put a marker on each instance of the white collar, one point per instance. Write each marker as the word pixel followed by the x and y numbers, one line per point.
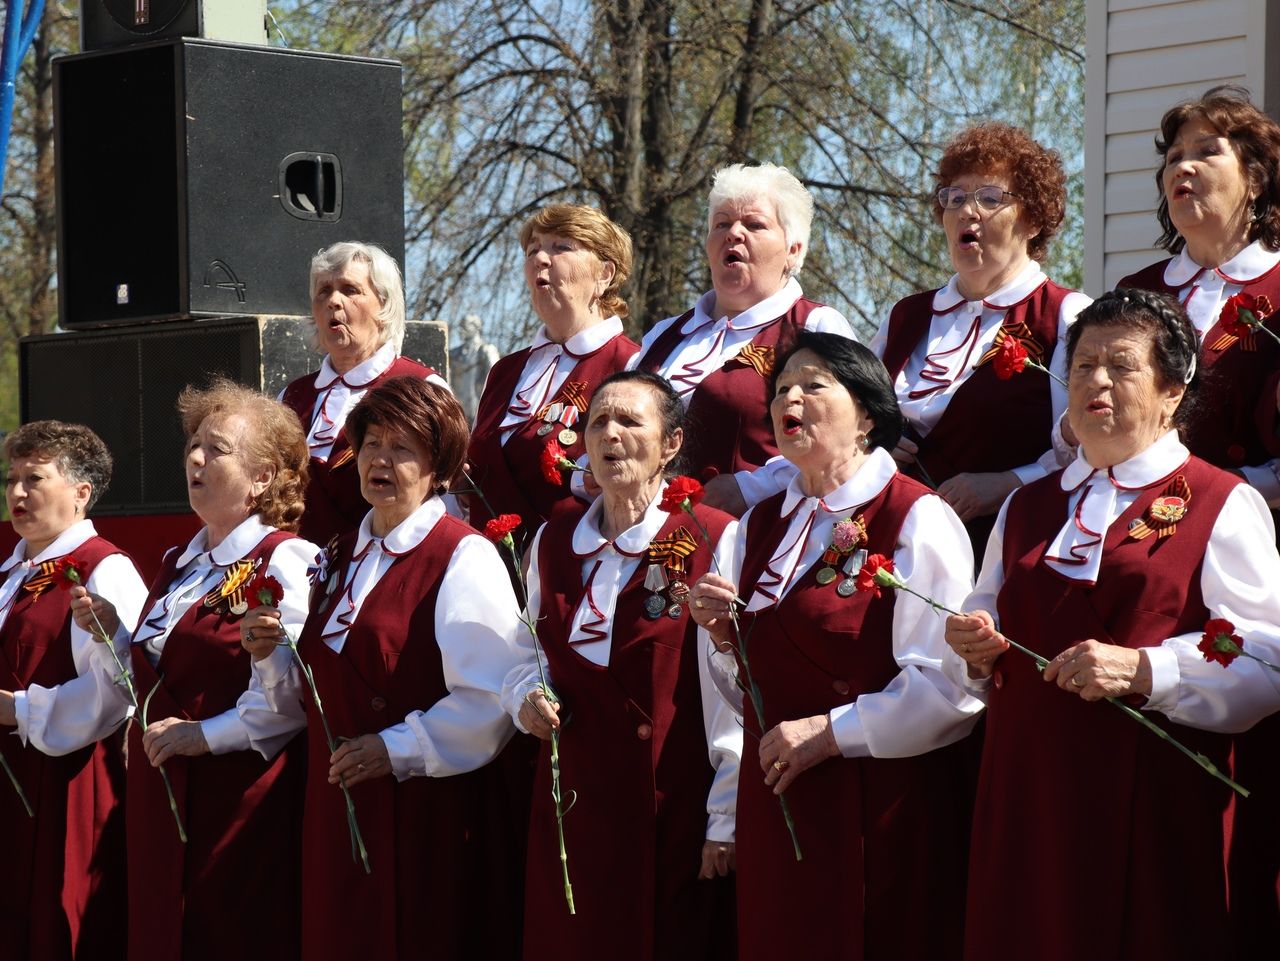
pixel 1026 283
pixel 1143 469
pixel 1244 268
pixel 64 543
pixel 588 540
pixel 362 373
pixel 584 342
pixel 406 535
pixel 757 315
pixel 243 539
pixel 864 486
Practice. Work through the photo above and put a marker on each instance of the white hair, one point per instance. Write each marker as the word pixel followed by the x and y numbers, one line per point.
pixel 384 274
pixel 768 182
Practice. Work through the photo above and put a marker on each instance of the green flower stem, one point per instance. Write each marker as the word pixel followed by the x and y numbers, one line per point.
pixel 752 689
pixel 547 692
pixel 890 580
pixel 173 803
pixel 13 779
pixel 353 826
pixel 1225 644
pixel 1258 324
pixel 1044 369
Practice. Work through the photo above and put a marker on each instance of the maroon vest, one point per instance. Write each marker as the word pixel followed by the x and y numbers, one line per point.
pixel 234 806
pixel 70 856
pixel 1152 818
pixel 509 474
pixel 990 424
pixel 728 422
pixel 334 504
pixel 423 835
pixel 635 753
pixel 883 839
pixel 1232 396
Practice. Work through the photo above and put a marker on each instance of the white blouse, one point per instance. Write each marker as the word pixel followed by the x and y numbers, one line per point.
pixel 710 342
pixel 476 622
pixel 1237 580
pixel 1203 291
pixel 922 708
pixel 339 394
pixel 547 367
pixel 64 718
pixel 198 572
pixel 607 566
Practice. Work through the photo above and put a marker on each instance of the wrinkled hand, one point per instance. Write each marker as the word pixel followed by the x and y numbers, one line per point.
pixel 540 715
pixel 710 601
pixel 718 859
pixel 1095 670
pixel 261 632
pixel 589 485
pixel 795 746
pixel 84 605
pixel 974 637
pixel 906 451
pixel 977 495
pixel 172 737
pixel 723 493
pixel 360 759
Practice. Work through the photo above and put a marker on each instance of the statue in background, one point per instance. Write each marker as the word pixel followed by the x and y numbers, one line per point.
pixel 469 362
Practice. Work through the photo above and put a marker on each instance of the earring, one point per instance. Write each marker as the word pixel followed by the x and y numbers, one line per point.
pixel 864 442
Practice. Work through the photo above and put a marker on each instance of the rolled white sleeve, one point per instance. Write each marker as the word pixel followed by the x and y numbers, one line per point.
pixel 771 477
pixel 1238 581
pixel 476 620
pixel 922 708
pixel 828 320
pixel 64 718
pixel 258 720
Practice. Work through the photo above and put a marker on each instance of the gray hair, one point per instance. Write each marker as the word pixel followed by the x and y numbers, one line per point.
pixel 794 204
pixel 384 274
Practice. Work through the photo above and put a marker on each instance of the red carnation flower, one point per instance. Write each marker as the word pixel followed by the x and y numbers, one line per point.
pixel 681 490
pixel 553 461
pixel 1220 642
pixel 500 527
pixel 1239 314
pixel 66 572
pixel 1010 359
pixel 867 579
pixel 265 589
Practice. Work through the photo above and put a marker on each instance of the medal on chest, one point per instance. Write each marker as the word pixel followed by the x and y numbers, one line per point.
pixel 665 577
pixel 1162 517
pixel 847 536
pixel 227 596
pixel 562 413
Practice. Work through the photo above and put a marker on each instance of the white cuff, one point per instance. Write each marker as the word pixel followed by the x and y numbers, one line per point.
pixel 846 725
pixel 225 733
pixel 721 827
pixel 1165 677
pixel 403 748
pixel 276 667
pixel 1030 472
pixel 22 708
pixel 514 692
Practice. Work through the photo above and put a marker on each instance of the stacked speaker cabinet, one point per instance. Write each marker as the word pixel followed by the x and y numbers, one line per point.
pixel 113 23
pixel 197 178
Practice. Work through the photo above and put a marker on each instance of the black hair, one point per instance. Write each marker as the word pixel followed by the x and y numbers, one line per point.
pixel 1174 341
pixel 667 401
pixel 861 373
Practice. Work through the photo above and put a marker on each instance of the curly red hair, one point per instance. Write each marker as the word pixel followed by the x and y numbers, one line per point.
pixel 1035 174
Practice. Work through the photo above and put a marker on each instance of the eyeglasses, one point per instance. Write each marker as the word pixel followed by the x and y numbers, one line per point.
pixel 989 197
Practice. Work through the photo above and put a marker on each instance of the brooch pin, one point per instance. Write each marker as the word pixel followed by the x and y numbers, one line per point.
pixel 1162 517
pixel 846 537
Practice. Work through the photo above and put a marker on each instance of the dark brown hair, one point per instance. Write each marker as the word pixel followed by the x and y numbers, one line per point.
pixel 80 454
pixel 1035 174
pixel 419 409
pixel 1256 139
pixel 274 440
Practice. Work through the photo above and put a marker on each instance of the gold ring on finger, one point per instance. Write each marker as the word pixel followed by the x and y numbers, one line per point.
pixel 1077 682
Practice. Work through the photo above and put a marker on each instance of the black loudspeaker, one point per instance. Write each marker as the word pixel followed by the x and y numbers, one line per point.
pixel 197 178
pixel 114 23
pixel 124 383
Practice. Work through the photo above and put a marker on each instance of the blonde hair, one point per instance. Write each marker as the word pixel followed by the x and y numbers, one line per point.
pixel 598 234
pixel 274 440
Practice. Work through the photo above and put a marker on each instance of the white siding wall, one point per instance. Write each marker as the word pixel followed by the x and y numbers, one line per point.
pixel 1143 56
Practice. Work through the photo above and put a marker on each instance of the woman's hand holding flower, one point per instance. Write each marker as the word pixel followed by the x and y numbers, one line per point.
pixel 261 632
pixel 974 637
pixel 84 605
pixel 711 600
pixel 795 746
pixel 1095 670
pixel 360 759
pixel 540 715
pixel 173 737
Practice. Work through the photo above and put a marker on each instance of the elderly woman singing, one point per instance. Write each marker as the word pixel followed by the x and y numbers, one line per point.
pixel 861 722
pixel 1091 831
